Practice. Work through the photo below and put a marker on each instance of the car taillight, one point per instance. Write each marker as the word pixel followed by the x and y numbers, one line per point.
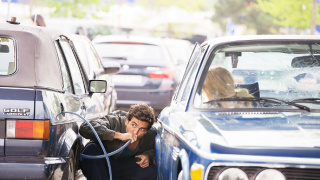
pixel 166 73
pixel 28 129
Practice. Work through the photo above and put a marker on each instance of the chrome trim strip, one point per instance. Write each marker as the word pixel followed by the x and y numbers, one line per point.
pixel 54 160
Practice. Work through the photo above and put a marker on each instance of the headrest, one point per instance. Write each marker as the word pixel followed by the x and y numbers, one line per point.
pixel 252 88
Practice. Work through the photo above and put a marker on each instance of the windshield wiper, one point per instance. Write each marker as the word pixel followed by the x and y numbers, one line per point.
pixel 264 100
pixel 306 108
pixel 307 100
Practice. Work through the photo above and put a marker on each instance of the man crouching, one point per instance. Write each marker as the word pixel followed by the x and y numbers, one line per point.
pixel 136 161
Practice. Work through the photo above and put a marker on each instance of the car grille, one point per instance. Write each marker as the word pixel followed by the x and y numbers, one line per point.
pixel 289 173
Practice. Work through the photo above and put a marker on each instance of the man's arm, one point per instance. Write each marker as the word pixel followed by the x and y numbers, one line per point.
pixel 125 136
pixel 100 126
pixel 105 127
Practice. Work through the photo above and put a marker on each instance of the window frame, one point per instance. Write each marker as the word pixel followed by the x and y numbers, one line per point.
pixel 67 64
pixel 15 59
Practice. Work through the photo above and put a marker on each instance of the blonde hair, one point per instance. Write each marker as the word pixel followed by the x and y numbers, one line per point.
pixel 220 84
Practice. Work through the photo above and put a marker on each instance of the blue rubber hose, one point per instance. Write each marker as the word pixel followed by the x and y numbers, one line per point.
pixel 106 155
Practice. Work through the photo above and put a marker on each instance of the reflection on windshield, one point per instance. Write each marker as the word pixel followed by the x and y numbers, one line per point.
pixel 239 76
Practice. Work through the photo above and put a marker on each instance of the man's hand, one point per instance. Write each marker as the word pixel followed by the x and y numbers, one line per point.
pixel 125 137
pixel 143 160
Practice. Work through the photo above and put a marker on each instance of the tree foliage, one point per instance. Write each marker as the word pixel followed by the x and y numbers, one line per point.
pixel 76 8
pixel 289 13
pixel 189 5
pixel 243 12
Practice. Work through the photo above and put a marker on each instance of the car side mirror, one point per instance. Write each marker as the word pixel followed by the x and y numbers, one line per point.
pixel 97 86
pixel 111 67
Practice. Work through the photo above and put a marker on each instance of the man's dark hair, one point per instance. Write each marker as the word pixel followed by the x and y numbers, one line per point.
pixel 142 112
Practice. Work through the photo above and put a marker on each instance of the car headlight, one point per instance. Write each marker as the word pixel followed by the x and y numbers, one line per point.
pixel 270 174
pixel 233 174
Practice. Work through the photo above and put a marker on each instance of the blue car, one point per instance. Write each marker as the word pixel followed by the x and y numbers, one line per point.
pixel 248 108
pixel 41 78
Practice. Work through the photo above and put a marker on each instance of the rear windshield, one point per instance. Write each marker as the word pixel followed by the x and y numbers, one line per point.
pixel 130 52
pixel 7 56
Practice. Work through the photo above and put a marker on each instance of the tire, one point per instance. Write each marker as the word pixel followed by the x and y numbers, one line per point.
pixel 69 171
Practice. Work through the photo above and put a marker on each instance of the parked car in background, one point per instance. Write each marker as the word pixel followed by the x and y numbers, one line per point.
pixel 147 72
pixel 95 70
pixel 256 119
pixel 41 77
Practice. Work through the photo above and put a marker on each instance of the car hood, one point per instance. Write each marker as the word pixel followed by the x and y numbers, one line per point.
pixel 249 132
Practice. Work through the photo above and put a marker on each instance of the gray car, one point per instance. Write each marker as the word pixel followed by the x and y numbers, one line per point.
pixel 42 82
pixel 147 71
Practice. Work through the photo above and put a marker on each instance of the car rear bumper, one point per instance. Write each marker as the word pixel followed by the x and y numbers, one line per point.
pixel 158 99
pixel 30 167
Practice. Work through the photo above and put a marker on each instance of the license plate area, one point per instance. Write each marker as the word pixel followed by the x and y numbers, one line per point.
pixel 128 79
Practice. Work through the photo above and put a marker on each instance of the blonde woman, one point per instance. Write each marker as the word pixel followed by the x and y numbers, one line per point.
pixel 219 84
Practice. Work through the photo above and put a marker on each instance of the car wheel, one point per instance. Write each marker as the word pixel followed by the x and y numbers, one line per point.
pixel 69 171
pixel 180 176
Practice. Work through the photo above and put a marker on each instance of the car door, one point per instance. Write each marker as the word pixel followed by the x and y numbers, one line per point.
pixel 89 105
pixel 73 79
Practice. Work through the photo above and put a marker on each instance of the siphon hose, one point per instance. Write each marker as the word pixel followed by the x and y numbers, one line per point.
pixel 106 155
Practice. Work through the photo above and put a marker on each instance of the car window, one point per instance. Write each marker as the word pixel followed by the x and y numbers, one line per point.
pixel 88 57
pixel 65 75
pixel 76 75
pixel 81 50
pixel 130 52
pixel 279 73
pixel 95 58
pixel 189 76
pixel 7 56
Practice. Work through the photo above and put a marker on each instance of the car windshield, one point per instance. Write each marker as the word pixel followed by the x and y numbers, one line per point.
pixel 262 75
pixel 130 52
pixel 7 56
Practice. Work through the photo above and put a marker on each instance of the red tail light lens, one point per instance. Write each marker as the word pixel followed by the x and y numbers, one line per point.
pixel 28 129
pixel 166 73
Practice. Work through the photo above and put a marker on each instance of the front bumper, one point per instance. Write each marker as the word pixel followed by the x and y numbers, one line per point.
pixel 31 167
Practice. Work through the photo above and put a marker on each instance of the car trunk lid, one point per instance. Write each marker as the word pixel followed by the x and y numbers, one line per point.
pixel 15 104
